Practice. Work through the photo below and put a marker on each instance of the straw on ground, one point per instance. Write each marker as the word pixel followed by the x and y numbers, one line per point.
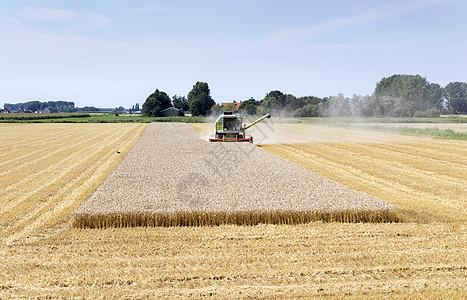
pixel 48 170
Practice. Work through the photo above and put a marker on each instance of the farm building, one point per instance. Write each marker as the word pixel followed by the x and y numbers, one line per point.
pixel 171 112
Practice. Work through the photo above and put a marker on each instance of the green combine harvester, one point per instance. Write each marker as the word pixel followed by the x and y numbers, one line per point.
pixel 229 128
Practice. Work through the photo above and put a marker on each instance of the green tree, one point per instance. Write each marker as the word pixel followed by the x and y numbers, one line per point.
pixel 436 96
pixel 199 99
pixel 88 109
pixel 284 104
pixel 406 95
pixel 338 106
pixel 216 110
pixel 199 105
pixel 456 97
pixel 308 106
pixel 274 100
pixel 251 109
pixel 229 107
pixel 293 103
pixel 33 106
pixel 155 103
pixel 180 102
pixel 250 106
pixel 309 110
pixel 68 109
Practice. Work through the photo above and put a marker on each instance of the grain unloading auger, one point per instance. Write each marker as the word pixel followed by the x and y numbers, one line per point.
pixel 229 128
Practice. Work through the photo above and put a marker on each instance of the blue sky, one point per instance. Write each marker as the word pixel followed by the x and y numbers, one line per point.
pixel 111 52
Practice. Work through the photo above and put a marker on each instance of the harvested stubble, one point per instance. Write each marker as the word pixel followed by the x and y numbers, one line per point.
pixel 49 170
pixel 425 178
pixel 173 178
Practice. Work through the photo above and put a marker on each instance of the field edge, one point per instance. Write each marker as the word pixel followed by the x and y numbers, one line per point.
pixel 248 218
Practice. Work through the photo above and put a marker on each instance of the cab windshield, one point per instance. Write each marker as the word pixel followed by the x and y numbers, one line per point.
pixel 232 123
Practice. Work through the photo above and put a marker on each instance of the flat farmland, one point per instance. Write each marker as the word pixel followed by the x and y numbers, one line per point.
pixel 172 177
pixel 423 257
pixel 48 170
pixel 335 260
pixel 456 127
pixel 426 177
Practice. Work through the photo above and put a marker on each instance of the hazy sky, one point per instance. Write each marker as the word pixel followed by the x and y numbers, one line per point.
pixel 112 52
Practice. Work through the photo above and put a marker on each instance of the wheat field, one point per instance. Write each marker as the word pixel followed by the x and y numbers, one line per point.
pixel 425 177
pixel 173 178
pixel 48 170
pixel 421 258
pixel 328 260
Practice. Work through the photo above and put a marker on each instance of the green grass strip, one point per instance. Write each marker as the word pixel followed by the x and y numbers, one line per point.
pixel 433 132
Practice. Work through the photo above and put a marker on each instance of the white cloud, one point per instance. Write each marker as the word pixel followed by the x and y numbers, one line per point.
pixel 96 21
pixel 77 21
pixel 379 13
pixel 47 14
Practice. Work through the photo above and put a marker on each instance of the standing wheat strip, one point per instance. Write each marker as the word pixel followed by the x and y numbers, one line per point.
pixel 171 177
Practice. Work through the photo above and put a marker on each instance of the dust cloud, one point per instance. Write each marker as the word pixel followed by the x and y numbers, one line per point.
pixel 271 132
pixel 277 130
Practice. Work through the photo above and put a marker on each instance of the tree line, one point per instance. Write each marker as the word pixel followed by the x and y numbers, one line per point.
pixel 52 106
pixel 199 101
pixel 36 106
pixel 394 96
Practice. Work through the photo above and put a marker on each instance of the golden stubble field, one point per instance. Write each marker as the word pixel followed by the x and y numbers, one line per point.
pixel 42 256
pixel 424 177
pixel 48 170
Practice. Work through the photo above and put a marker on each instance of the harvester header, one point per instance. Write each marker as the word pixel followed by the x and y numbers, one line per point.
pixel 229 128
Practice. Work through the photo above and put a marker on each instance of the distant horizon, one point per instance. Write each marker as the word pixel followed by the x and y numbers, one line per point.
pixel 217 102
pixel 116 53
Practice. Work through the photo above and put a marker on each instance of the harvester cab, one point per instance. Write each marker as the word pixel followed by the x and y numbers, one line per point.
pixel 230 128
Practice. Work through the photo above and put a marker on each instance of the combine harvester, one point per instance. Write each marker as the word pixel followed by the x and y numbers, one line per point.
pixel 229 128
